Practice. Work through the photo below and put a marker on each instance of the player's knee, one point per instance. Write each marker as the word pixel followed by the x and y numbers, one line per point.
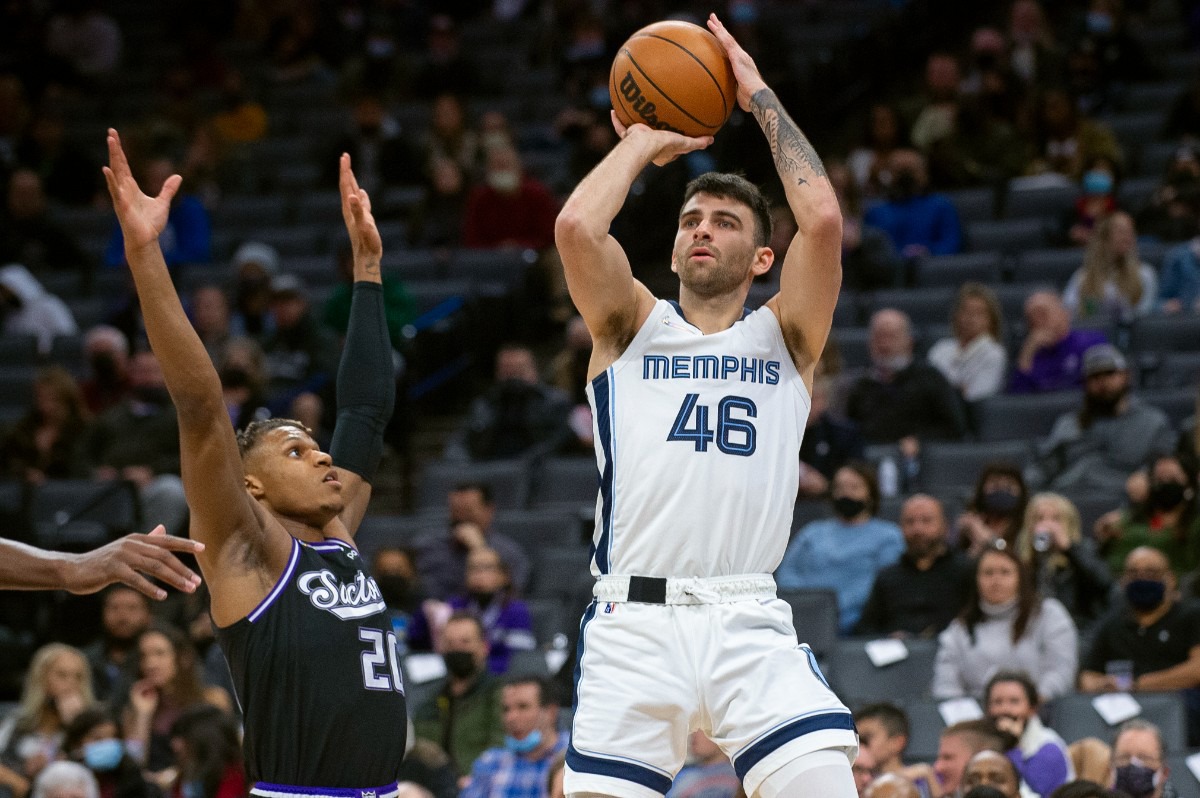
pixel 825 773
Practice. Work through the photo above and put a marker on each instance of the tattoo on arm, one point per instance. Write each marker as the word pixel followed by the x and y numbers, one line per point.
pixel 794 154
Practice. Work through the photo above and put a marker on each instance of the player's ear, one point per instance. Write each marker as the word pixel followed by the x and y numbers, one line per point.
pixel 254 486
pixel 764 258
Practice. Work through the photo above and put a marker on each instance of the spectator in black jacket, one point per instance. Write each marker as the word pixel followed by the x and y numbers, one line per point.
pixel 900 396
pixel 921 593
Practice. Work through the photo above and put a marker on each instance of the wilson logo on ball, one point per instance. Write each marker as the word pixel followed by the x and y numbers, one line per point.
pixel 632 92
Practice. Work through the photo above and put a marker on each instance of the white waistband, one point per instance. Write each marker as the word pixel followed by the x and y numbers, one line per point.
pixel 694 589
pixel 266 790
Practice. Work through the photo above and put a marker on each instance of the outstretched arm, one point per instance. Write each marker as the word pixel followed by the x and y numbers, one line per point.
pixel 613 304
pixel 221 509
pixel 126 560
pixel 812 271
pixel 366 384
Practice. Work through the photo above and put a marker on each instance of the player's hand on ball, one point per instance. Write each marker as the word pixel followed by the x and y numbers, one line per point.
pixel 749 80
pixel 670 145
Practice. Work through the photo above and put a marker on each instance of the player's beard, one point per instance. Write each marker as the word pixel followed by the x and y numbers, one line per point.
pixel 724 277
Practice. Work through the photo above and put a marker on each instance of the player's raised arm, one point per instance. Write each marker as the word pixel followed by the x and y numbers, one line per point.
pixel 211 466
pixel 366 384
pixel 611 301
pixel 812 271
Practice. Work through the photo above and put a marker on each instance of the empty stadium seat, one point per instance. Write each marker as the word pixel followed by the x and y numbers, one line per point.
pixel 1074 718
pixel 1007 235
pixel 1177 403
pixel 571 481
pixel 925 726
pixel 974 204
pixel 950 465
pixel 1022 416
pixel 1040 203
pixel 535 529
pixel 954 270
pixel 853 344
pixel 508 479
pixel 564 574
pixel 83 513
pixel 923 305
pixel 1166 333
pixel 1182 778
pixel 815 616
pixel 1045 266
pixel 1172 370
pixel 856 680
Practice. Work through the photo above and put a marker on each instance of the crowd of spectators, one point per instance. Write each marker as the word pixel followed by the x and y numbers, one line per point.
pixel 1073 569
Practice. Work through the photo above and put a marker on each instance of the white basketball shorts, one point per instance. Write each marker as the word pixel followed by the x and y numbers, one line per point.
pixel 718 655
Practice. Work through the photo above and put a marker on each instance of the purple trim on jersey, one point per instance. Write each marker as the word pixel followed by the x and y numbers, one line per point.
pixel 284 579
pixel 332 792
pixel 330 544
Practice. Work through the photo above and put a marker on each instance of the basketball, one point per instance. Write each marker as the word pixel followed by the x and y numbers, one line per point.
pixel 673 76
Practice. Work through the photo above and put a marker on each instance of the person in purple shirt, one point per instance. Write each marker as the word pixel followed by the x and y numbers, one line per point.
pixel 1040 755
pixel 919 222
pixel 488 595
pixel 1051 356
pixel 187 238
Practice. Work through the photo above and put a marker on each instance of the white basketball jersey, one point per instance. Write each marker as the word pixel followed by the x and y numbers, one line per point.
pixel 698 446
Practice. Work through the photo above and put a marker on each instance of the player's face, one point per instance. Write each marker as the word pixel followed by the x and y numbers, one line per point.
pixel 714 250
pixel 953 753
pixel 295 479
pixel 157 659
pixel 65 676
pixel 522 714
pixel 1008 700
pixel 998 578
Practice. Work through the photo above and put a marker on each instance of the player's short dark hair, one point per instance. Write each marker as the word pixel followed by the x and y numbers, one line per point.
pixel 1017 677
pixel 253 434
pixel 545 696
pixel 735 187
pixel 485 490
pixel 893 718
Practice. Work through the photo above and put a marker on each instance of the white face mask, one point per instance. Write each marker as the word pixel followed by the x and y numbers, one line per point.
pixel 504 181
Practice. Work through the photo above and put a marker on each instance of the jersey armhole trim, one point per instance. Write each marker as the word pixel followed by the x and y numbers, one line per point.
pixel 789 363
pixel 638 344
pixel 280 584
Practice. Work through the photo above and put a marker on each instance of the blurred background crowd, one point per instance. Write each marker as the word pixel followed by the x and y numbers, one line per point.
pixel 1000 466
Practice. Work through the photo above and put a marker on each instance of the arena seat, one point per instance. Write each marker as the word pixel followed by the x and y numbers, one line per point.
pixel 1007 235
pixel 1166 334
pixel 1074 718
pixel 1045 266
pixel 1040 203
pixel 1182 778
pixel 536 529
pixel 949 465
pixel 815 616
pixel 559 481
pixel 953 270
pixel 1009 417
pixel 81 513
pixel 857 680
pixel 508 479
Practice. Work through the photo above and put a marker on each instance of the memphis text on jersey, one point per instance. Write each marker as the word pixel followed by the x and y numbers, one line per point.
pixel 348 601
pixel 710 367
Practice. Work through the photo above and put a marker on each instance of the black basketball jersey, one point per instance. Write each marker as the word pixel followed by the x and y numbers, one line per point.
pixel 317 675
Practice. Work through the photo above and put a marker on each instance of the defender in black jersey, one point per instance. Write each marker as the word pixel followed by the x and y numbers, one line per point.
pixel 301 622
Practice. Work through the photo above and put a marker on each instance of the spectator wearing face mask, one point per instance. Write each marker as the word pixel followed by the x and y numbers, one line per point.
pixel 1099 445
pixel 94 738
pixel 844 552
pixel 1167 520
pixel 1173 211
pixel 511 208
pixel 1065 564
pixel 1151 642
pixel 464 717
pixel 1097 200
pixel 919 222
pixel 995 510
pixel 1139 761
pixel 531 744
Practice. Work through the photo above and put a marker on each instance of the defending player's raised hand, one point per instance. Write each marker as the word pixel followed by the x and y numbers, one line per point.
pixel 670 145
pixel 745 71
pixel 142 217
pixel 365 242
pixel 127 559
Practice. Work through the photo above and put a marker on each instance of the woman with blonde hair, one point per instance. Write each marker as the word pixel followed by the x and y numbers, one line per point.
pixel 973 359
pixel 1066 565
pixel 58 686
pixel 1113 283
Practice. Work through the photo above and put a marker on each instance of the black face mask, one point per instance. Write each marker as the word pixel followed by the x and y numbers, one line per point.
pixel 1145 594
pixel 459 664
pixel 1167 495
pixel 999 502
pixel 847 507
pixel 1136 780
pixel 394 589
pixel 481 597
pixel 104 366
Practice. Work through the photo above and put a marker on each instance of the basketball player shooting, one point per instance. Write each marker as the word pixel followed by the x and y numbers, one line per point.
pixel 699 410
pixel 300 621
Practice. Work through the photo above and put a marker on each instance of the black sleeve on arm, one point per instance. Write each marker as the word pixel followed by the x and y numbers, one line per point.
pixel 366 385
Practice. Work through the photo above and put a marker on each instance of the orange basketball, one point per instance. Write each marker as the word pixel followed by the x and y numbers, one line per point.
pixel 673 76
